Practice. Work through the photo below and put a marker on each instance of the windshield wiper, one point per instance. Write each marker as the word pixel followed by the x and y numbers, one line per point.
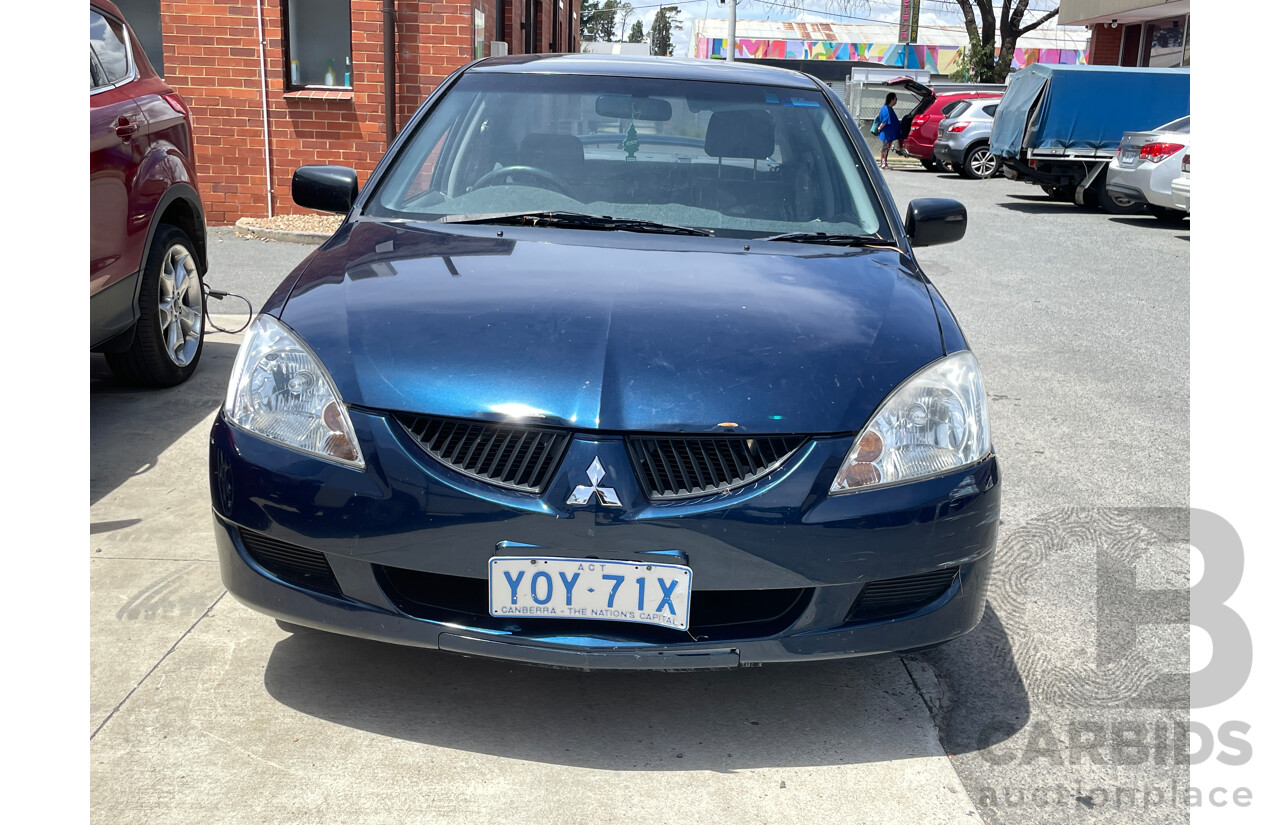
pixel 834 240
pixel 574 220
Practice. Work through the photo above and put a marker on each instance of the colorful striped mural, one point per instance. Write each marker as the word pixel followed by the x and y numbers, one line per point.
pixel 935 59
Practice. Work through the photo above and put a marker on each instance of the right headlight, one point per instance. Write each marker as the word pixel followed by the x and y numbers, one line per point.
pixel 933 423
pixel 280 391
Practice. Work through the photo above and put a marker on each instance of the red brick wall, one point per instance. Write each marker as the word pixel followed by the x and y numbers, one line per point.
pixel 1104 45
pixel 211 57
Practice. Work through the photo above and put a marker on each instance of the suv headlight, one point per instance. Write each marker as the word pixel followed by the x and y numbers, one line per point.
pixel 933 423
pixel 280 391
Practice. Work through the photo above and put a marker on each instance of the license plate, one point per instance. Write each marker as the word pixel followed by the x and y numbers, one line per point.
pixel 1127 155
pixel 603 590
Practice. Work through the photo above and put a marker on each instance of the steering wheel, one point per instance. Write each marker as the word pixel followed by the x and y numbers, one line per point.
pixel 491 178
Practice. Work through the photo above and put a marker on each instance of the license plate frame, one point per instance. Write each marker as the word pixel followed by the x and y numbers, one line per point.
pixel 590 589
pixel 1128 156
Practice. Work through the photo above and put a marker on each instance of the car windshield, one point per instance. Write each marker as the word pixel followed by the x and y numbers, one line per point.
pixel 1182 124
pixel 727 159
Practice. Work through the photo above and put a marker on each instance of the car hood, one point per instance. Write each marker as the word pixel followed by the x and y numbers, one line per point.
pixel 612 331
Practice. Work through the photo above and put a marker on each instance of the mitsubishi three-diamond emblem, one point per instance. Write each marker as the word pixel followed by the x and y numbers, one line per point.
pixel 582 493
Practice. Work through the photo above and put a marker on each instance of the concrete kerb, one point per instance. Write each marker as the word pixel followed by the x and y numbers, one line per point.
pixel 245 230
pixel 231 322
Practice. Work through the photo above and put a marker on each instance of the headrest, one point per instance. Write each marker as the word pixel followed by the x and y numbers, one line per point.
pixel 740 133
pixel 555 153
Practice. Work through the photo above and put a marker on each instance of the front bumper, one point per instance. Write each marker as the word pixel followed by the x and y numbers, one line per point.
pixel 399 553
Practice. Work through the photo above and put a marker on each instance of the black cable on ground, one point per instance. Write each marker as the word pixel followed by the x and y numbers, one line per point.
pixel 218 295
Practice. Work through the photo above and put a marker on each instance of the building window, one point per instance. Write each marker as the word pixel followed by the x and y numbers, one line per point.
pixel 318 46
pixel 144 19
pixel 1163 42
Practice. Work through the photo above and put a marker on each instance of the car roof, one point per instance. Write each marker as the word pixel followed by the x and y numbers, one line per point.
pixel 107 6
pixel 969 95
pixel 672 68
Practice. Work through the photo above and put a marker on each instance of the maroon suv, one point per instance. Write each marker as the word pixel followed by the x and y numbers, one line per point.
pixel 146 231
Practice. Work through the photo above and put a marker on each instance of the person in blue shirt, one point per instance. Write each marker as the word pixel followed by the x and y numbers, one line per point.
pixel 886 125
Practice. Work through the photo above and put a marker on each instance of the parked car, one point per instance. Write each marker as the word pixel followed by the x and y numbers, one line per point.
pixel 146 222
pixel 635 403
pixel 1181 186
pixel 1058 127
pixel 1146 165
pixel 964 139
pixel 924 126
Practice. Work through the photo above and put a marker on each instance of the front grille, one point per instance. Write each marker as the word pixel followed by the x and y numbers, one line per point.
pixel 716 615
pixel 673 467
pixel 515 457
pixel 890 598
pixel 296 565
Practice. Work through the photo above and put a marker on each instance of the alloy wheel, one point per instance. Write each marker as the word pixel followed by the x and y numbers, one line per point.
pixel 181 305
pixel 982 163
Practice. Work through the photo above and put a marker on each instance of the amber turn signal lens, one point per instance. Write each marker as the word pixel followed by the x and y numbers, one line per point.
pixel 869 447
pixel 332 417
pixel 857 475
pixel 339 446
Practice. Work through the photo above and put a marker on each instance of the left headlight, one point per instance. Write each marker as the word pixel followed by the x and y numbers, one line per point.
pixel 280 391
pixel 933 423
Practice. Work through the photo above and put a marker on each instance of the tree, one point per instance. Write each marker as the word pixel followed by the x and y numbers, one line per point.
pixel 666 21
pixel 586 20
pixel 981 65
pixel 637 33
pixel 625 10
pixel 597 20
pixel 607 20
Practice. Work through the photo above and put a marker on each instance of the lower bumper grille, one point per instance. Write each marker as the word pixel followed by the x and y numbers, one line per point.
pixel 891 598
pixel 290 563
pixel 715 615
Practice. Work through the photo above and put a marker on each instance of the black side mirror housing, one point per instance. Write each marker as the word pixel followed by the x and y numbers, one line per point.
pixel 934 221
pixel 327 188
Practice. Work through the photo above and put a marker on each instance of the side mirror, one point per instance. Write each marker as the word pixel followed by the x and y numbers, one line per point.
pixel 934 221
pixel 327 188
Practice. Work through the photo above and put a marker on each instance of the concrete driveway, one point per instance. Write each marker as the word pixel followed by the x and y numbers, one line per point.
pixel 201 710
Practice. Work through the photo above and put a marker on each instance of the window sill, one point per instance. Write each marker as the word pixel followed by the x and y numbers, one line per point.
pixel 320 94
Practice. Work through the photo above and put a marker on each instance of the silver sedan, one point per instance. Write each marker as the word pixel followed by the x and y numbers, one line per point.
pixel 1146 165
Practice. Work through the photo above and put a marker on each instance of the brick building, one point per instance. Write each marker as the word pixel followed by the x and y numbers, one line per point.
pixel 275 84
pixel 1133 32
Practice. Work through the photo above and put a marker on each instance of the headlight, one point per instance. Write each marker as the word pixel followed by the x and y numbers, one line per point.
pixel 935 422
pixel 279 390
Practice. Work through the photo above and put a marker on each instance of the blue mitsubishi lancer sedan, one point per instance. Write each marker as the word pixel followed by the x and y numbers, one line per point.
pixel 613 363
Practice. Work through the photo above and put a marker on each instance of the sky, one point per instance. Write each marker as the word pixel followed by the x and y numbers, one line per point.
pixel 932 13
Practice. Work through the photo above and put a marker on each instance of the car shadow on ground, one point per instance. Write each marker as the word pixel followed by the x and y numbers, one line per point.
pixel 1045 206
pixel 982 698
pixel 1148 222
pixel 806 714
pixel 129 427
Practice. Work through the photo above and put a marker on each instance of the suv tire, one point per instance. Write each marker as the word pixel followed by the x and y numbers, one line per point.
pixel 979 163
pixel 169 335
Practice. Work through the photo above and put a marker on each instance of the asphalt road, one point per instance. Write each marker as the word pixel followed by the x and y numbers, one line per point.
pixel 1059 705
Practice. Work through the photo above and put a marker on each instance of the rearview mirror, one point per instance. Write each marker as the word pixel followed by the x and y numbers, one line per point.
pixel 934 221
pixel 327 188
pixel 626 107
